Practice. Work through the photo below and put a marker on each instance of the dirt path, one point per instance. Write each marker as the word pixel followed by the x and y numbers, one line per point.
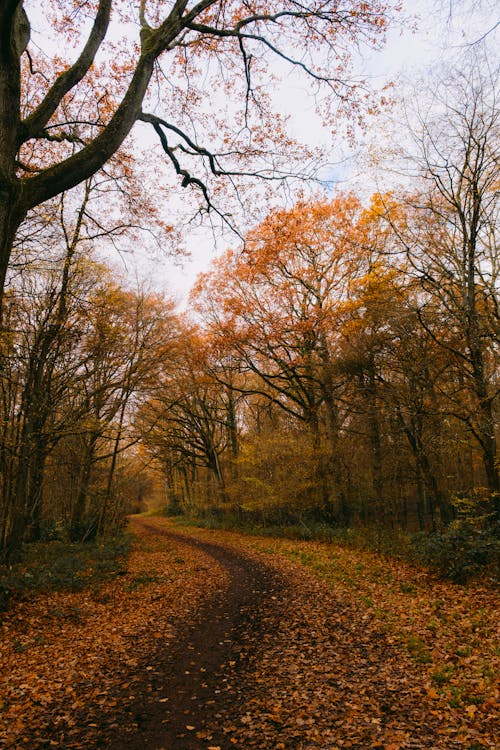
pixel 209 644
pixel 200 678
pixel 276 661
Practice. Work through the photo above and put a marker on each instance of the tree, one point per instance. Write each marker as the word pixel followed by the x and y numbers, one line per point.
pixel 394 372
pixel 128 337
pixel 53 302
pixel 187 423
pixel 40 371
pixel 450 233
pixel 277 306
pixel 83 353
pixel 84 109
pixel 322 317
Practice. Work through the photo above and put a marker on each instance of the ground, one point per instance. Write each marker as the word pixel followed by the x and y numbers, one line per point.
pixel 214 640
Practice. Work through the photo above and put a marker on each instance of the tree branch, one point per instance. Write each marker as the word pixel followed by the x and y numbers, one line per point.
pixel 70 78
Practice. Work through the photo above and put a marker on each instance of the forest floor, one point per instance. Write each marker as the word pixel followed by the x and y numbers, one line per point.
pixel 214 640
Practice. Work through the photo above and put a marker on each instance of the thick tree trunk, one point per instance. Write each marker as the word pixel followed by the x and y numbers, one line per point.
pixel 334 469
pixel 17 196
pixel 14 36
pixel 11 217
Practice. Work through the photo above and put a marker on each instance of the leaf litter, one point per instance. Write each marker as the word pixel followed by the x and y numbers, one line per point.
pixel 349 650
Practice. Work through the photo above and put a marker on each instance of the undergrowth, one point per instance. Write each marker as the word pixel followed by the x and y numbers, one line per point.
pixel 460 551
pixel 63 566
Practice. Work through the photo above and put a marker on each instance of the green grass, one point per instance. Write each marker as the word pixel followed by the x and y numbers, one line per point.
pixel 442 676
pixel 459 552
pixel 418 649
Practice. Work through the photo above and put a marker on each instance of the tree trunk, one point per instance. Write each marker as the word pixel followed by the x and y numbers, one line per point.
pixel 10 219
pixel 216 469
pixel 13 40
pixel 375 441
pixel 232 428
pixel 20 510
pixel 35 492
pixel 435 497
pixel 79 509
pixel 486 429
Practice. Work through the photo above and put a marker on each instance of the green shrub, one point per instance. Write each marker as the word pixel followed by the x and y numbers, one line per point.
pixel 460 551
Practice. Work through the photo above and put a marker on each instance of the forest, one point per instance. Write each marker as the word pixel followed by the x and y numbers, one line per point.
pixel 336 366
pixel 263 512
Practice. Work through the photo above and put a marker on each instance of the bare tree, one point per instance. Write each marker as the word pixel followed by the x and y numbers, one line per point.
pixel 452 243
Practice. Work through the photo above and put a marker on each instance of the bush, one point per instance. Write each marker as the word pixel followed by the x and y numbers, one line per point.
pixel 52 531
pixel 461 550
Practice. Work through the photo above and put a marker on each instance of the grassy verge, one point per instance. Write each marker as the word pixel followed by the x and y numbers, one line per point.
pixel 449 631
pixel 459 552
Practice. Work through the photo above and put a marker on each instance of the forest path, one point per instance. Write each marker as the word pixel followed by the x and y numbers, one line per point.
pixel 273 660
pixel 214 641
pixel 197 680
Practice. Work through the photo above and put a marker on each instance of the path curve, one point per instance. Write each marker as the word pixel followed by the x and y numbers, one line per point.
pixel 206 643
pixel 199 677
pixel 278 660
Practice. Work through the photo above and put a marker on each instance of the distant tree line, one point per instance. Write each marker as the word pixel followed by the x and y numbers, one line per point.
pixel 345 362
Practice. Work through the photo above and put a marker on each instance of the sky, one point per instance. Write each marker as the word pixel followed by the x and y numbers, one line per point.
pixel 442 29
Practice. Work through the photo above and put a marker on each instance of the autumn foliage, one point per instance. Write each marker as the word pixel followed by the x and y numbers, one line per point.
pixel 339 365
pixel 344 371
pixel 332 388
pixel 328 647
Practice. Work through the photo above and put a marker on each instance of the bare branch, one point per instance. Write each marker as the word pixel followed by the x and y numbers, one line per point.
pixel 70 78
